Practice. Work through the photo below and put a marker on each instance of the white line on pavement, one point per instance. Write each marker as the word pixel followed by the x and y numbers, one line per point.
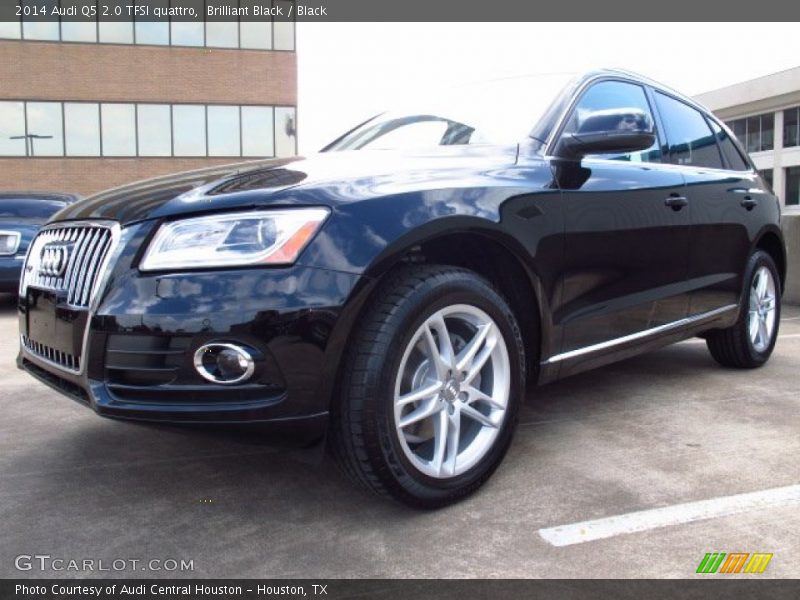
pixel 598 529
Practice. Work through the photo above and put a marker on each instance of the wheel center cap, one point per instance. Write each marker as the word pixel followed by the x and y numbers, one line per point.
pixel 451 390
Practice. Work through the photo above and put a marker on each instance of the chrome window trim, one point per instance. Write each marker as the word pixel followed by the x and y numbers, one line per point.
pixel 645 333
pixel 100 282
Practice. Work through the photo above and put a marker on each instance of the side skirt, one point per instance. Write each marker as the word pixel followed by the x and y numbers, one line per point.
pixel 575 361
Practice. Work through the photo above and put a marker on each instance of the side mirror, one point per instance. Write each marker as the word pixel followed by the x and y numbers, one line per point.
pixel 617 130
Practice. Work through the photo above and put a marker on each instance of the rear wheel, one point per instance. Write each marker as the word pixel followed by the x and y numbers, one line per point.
pixel 431 389
pixel 750 341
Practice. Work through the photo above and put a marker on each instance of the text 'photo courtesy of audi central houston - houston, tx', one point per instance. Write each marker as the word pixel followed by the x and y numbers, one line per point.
pixel 397 293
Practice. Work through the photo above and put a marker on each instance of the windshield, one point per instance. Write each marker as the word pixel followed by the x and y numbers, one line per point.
pixel 502 111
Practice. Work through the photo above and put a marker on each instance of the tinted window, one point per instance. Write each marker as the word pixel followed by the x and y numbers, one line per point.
pixel 690 139
pixel 732 156
pixel 613 95
pixel 29 208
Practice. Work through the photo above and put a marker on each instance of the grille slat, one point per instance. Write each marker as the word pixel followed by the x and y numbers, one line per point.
pixel 58 357
pixel 87 246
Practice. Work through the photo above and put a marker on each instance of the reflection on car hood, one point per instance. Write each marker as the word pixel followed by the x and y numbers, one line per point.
pixel 257 183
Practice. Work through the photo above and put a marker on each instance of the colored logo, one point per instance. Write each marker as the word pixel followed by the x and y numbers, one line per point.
pixel 735 562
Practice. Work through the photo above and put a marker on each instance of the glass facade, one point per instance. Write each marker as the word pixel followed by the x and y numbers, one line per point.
pixel 756 133
pixel 83 129
pixel 256 35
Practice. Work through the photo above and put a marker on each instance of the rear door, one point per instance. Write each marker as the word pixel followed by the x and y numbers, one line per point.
pixel 726 202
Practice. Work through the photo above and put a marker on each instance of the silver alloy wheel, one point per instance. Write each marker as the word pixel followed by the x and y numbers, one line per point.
pixel 452 391
pixel 763 301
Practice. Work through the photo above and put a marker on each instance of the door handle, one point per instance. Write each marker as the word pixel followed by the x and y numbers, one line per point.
pixel 749 202
pixel 676 202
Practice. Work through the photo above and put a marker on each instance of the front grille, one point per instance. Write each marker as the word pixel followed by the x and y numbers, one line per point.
pixel 67 258
pixel 68 361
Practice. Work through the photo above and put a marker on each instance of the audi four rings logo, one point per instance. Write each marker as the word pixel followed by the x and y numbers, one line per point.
pixel 53 260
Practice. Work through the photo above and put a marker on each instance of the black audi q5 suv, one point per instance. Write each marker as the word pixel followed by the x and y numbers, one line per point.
pixel 400 289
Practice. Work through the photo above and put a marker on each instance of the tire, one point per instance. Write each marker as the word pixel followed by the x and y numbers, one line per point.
pixel 379 435
pixel 736 346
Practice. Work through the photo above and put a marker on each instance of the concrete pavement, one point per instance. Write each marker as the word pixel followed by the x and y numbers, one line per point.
pixel 658 430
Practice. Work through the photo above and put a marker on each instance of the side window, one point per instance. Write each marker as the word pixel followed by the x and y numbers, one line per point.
pixel 607 95
pixel 691 142
pixel 732 155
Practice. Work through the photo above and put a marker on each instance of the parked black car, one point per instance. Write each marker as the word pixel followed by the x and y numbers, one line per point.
pixel 21 216
pixel 402 300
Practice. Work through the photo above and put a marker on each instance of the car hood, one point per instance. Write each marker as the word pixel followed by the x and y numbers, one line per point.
pixel 343 176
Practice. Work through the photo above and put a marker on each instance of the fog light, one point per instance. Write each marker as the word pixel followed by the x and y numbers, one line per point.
pixel 224 363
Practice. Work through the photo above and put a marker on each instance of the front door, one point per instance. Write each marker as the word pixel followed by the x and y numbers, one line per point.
pixel 627 228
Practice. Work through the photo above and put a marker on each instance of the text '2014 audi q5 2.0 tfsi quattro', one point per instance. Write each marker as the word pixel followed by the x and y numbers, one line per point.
pixel 400 289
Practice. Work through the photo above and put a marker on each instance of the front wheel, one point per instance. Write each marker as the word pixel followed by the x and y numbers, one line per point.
pixel 750 341
pixel 431 388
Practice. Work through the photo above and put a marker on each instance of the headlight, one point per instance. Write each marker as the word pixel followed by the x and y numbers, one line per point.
pixel 268 237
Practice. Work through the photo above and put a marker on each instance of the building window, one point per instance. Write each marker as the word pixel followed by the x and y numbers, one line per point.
pixel 258 131
pixel 189 130
pixel 224 137
pixel 116 32
pixel 222 34
pixel 250 35
pixel 118 124
pixel 45 128
pixel 756 133
pixel 792 195
pixel 10 30
pixel 88 129
pixel 152 33
pixel 77 31
pixel 82 129
pixel 154 129
pixel 790 127
pixel 187 34
pixel 285 131
pixel 12 129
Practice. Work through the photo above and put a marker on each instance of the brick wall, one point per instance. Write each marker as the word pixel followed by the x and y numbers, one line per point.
pixel 62 71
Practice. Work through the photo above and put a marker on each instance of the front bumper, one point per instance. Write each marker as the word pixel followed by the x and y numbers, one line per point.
pixel 137 355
